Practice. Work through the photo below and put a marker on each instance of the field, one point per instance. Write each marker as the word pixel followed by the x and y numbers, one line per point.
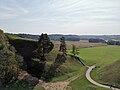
pixel 101 56
pixel 80 44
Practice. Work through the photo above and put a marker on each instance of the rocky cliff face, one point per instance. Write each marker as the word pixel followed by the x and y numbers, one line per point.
pixel 9 66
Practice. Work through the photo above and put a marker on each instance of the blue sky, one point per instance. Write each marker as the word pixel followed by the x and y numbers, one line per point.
pixel 60 16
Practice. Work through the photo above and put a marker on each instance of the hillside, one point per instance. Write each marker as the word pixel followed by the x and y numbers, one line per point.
pixel 111 74
pixel 106 59
pixel 26 48
pixel 9 65
pixel 67 69
pixel 108 63
pixel 104 56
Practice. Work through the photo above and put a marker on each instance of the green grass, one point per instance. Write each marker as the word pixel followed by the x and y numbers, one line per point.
pixel 109 74
pixel 104 55
pixel 68 69
pixel 14 36
pixel 82 84
pixel 90 56
pixel 38 88
pixel 101 56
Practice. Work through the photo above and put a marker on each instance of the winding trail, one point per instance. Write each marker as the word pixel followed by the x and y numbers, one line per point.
pixel 94 82
pixel 62 85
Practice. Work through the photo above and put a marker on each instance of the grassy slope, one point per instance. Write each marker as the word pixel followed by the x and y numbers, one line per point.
pixel 71 67
pixel 68 69
pixel 102 56
pixel 111 74
pixel 13 36
pixel 82 84
pixel 38 88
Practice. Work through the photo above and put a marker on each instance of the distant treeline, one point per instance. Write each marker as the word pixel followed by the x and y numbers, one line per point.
pixel 94 40
pixel 56 37
pixel 109 42
pixel 112 42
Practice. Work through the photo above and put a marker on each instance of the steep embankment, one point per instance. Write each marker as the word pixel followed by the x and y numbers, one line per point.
pixel 27 47
pixel 88 76
pixel 24 46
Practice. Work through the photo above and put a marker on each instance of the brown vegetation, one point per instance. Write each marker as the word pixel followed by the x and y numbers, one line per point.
pixel 80 44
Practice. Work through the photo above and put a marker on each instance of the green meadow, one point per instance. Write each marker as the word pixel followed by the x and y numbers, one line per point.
pixel 102 56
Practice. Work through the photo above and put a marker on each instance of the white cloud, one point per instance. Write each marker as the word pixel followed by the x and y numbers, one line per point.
pixel 62 15
pixel 11 10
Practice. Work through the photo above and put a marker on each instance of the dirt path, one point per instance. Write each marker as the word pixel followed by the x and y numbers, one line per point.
pixel 94 82
pixel 62 85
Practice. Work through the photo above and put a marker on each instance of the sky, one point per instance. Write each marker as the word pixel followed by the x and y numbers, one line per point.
pixel 81 17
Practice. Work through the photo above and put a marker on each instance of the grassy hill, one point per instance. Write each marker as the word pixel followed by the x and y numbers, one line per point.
pixel 111 74
pixel 106 59
pixel 91 56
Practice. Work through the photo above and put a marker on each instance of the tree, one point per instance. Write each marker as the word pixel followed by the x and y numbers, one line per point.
pixel 62 45
pixel 44 46
pixel 60 59
pixel 1 46
pixel 75 50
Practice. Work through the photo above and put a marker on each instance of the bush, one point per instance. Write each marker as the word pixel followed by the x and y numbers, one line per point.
pixel 19 85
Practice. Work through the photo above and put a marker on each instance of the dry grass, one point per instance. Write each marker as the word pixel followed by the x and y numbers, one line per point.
pixel 79 44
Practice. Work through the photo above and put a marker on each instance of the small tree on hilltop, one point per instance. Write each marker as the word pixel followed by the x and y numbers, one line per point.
pixel 75 50
pixel 44 46
pixel 62 45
